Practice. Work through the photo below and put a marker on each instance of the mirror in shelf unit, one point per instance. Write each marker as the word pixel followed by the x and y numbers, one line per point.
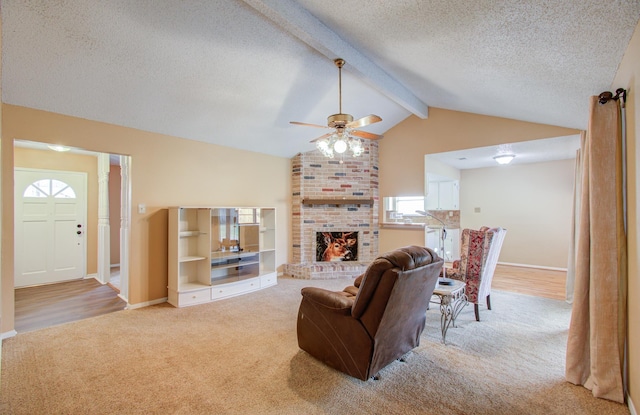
pixel 242 245
pixel 235 253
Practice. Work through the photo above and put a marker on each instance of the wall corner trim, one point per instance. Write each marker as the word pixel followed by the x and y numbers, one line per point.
pixel 8 334
pixel 147 303
pixel 632 408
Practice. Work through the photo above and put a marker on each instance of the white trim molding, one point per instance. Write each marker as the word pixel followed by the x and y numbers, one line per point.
pixel 8 334
pixel 104 233
pixel 125 224
pixel 532 266
pixel 147 303
pixel 632 408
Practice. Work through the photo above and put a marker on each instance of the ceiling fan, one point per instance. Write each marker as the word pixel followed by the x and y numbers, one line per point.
pixel 345 134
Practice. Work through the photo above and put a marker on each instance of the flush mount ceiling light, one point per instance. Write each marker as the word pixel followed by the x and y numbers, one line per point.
pixel 504 158
pixel 345 136
pixel 504 155
pixel 56 147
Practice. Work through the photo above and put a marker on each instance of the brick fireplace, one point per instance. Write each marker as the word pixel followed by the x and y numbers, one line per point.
pixel 338 197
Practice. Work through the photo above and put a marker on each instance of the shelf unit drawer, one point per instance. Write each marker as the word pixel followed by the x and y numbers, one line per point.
pixel 194 297
pixel 236 288
pixel 268 280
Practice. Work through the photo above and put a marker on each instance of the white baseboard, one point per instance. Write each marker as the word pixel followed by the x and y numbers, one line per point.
pixel 532 266
pixel 147 303
pixel 8 334
pixel 632 408
pixel 115 265
pixel 89 276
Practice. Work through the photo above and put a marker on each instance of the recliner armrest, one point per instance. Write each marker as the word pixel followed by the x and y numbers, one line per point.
pixel 358 281
pixel 351 291
pixel 334 301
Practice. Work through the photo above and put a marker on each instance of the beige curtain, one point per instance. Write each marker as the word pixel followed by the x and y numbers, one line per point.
pixel 575 221
pixel 595 347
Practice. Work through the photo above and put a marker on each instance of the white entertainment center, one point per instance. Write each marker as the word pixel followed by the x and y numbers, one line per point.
pixel 216 252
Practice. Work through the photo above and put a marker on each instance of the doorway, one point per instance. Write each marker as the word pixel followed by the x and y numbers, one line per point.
pixel 35 155
pixel 50 226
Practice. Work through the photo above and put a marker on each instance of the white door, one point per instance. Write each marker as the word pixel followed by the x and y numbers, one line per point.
pixel 50 226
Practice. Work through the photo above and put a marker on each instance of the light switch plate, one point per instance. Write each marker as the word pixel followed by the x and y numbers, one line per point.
pixel 142 208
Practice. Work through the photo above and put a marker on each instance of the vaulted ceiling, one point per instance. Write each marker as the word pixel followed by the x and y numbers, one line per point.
pixel 235 72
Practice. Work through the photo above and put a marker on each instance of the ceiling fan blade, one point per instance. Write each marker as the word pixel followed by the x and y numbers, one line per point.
pixel 369 119
pixel 321 137
pixel 308 125
pixel 364 134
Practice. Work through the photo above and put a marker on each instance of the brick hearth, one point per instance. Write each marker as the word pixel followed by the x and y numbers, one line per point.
pixel 317 178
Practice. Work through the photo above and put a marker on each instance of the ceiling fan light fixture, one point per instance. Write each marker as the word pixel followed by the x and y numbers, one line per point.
pixel 346 134
pixel 340 146
pixel 356 147
pixel 325 147
pixel 504 158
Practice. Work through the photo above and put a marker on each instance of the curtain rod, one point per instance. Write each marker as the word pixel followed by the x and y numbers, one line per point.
pixel 607 96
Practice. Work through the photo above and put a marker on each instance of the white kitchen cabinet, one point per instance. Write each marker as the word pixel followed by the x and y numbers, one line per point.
pixel 443 195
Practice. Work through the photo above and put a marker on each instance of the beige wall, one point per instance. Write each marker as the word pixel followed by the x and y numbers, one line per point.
pixel 628 77
pixel 431 165
pixel 114 213
pixel 51 160
pixel 403 149
pixel 165 171
pixel 532 201
pixel 2 182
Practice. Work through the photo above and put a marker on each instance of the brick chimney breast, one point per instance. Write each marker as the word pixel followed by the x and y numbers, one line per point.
pixel 350 189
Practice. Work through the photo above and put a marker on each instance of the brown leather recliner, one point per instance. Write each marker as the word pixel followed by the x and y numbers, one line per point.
pixel 362 329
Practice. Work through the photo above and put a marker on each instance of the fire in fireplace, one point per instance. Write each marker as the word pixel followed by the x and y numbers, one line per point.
pixel 336 246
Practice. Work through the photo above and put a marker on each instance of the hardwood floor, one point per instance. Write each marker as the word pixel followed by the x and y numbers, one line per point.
pixel 53 304
pixel 531 281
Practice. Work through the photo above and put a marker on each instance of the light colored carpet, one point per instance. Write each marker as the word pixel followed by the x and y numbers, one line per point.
pixel 240 356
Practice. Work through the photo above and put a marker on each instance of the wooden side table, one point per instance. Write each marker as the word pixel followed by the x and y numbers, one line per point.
pixel 452 300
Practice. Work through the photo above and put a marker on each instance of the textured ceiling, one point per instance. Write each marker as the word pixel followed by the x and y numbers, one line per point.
pixel 236 72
